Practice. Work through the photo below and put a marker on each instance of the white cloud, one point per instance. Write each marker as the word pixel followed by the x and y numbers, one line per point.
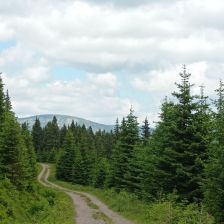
pixel 147 40
pixel 163 81
pixel 36 74
pixel 99 37
pixel 103 80
pixel 89 98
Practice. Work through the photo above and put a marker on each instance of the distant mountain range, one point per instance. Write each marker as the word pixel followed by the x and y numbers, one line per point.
pixel 65 119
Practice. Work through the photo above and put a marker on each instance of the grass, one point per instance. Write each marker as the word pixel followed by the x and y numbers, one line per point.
pixel 161 212
pixel 39 206
pixel 124 204
pixel 62 210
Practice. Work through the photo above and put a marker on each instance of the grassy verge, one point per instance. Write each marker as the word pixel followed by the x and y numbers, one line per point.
pixel 39 206
pixel 165 212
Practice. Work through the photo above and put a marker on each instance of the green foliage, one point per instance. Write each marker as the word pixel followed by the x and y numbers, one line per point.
pixel 2 101
pixel 14 154
pixel 179 146
pixel 145 132
pixel 37 135
pixel 183 154
pixel 51 141
pixel 122 170
pixel 158 212
pixel 101 173
pixel 31 156
pixel 214 168
pixel 66 162
pixel 39 207
pixel 22 201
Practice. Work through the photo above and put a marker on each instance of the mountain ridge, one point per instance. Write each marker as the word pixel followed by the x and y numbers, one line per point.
pixel 65 119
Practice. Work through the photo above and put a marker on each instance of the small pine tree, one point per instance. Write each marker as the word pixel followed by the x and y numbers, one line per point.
pixel 31 156
pixel 2 101
pixel 37 136
pixel 63 133
pixel 145 132
pixel 116 130
pixel 121 169
pixel 64 168
pixel 8 105
pixel 101 174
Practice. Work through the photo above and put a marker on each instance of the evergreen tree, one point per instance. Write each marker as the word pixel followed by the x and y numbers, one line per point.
pixel 123 153
pixel 8 105
pixel 87 161
pixel 37 136
pixel 117 129
pixel 203 130
pixel 145 132
pixel 14 164
pixel 2 101
pixel 15 160
pixel 63 133
pixel 101 173
pixel 179 146
pixel 214 181
pixel 79 172
pixel 64 169
pixel 51 141
pixel 31 157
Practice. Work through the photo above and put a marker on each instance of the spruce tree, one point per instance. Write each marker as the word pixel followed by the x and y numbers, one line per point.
pixel 15 147
pixel 178 145
pixel 214 169
pixel 8 105
pixel 51 141
pixel 14 164
pixel 31 156
pixel 64 169
pixel 37 136
pixel 63 133
pixel 123 154
pixel 80 170
pixel 116 130
pixel 2 101
pixel 145 132
pixel 101 173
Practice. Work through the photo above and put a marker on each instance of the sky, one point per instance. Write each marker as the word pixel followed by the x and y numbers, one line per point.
pixel 96 58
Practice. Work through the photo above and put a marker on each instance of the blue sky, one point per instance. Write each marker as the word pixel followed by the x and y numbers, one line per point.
pixel 94 59
pixel 4 45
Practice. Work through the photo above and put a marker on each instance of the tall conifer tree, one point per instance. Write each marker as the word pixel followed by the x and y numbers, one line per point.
pixel 65 164
pixel 145 132
pixel 214 181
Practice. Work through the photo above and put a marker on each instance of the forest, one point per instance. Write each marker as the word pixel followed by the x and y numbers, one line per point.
pixel 22 199
pixel 180 160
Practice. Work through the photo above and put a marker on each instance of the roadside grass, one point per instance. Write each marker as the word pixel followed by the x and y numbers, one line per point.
pixel 161 212
pixel 53 208
pixel 59 209
pixel 39 206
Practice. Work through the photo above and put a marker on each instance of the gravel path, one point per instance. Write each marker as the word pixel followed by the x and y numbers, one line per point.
pixel 88 209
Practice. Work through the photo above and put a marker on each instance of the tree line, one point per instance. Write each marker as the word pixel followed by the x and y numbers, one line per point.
pixel 182 156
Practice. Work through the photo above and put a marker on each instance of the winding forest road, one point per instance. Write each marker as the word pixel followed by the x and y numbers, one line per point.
pixel 88 209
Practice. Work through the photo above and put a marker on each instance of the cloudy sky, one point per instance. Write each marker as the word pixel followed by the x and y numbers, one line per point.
pixel 96 58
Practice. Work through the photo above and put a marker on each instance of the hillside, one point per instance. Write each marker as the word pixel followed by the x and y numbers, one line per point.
pixel 65 119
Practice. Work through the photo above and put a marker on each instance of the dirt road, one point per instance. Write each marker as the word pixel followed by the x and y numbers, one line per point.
pixel 88 209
